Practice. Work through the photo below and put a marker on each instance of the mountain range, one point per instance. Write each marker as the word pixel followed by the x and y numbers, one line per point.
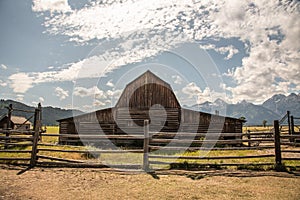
pixel 49 114
pixel 272 109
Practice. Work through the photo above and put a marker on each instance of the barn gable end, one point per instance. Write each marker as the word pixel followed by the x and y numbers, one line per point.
pixel 146 91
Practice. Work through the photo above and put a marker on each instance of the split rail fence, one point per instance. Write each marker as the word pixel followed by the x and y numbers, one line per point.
pixel 160 150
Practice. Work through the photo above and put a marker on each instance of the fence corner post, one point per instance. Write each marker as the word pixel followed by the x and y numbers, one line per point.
pixel 36 135
pixel 146 146
pixel 278 163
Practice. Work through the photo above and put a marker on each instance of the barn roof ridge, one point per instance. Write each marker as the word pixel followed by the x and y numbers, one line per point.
pixel 146 73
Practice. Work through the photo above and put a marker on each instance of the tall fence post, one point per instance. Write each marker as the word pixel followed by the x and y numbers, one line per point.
pixel 289 122
pixel 8 126
pixel 292 128
pixel 292 125
pixel 249 138
pixel 40 118
pixel 37 123
pixel 146 146
pixel 278 164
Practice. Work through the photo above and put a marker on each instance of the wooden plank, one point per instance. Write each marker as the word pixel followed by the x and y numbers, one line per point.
pixel 15 151
pixel 208 149
pixel 15 138
pixel 178 141
pixel 211 157
pixel 146 146
pixel 4 131
pixel 60 159
pixel 37 126
pixel 15 159
pixel 18 144
pixel 290 151
pixel 58 145
pixel 290 136
pixel 138 137
pixel 211 164
pixel 290 158
pixel 92 151
pixel 293 144
pixel 87 165
pixel 187 134
pixel 277 144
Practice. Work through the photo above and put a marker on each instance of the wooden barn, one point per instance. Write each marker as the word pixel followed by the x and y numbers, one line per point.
pixel 146 97
pixel 16 122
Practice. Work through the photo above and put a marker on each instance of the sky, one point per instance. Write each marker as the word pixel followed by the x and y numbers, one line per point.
pixel 81 53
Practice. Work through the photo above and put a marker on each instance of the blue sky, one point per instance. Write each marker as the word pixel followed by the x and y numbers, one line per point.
pixel 81 54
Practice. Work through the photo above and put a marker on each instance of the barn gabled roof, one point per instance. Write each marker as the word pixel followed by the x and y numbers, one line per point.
pixel 146 90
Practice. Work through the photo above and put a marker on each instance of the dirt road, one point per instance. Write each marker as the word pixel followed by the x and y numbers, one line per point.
pixel 67 183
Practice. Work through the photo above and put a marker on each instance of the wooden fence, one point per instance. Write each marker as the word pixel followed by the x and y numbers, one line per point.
pixel 13 141
pixel 160 150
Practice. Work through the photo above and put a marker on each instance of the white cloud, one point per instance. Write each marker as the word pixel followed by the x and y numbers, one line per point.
pixel 93 66
pixel 140 29
pixel 20 97
pixel 61 93
pixel 51 5
pixel 113 93
pixel 98 103
pixel 89 92
pixel 192 90
pixel 3 84
pixel 177 79
pixel 2 66
pixel 110 83
pixel 20 82
pixel 273 64
pixel 229 50
pixel 41 99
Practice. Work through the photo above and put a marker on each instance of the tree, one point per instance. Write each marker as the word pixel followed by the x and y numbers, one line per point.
pixel 264 122
pixel 243 118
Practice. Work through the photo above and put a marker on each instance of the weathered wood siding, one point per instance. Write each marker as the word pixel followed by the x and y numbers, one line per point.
pixel 132 120
pixel 146 91
pixel 204 122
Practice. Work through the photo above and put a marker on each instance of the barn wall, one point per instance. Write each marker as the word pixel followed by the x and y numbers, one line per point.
pixel 194 120
pixel 132 120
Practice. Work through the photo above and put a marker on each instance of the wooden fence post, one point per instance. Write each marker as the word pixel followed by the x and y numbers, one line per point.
pixel 292 129
pixel 289 121
pixel 40 118
pixel 278 164
pixel 249 138
pixel 146 146
pixel 37 123
pixel 9 127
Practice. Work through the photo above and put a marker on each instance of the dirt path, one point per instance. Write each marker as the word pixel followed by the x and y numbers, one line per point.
pixel 99 184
